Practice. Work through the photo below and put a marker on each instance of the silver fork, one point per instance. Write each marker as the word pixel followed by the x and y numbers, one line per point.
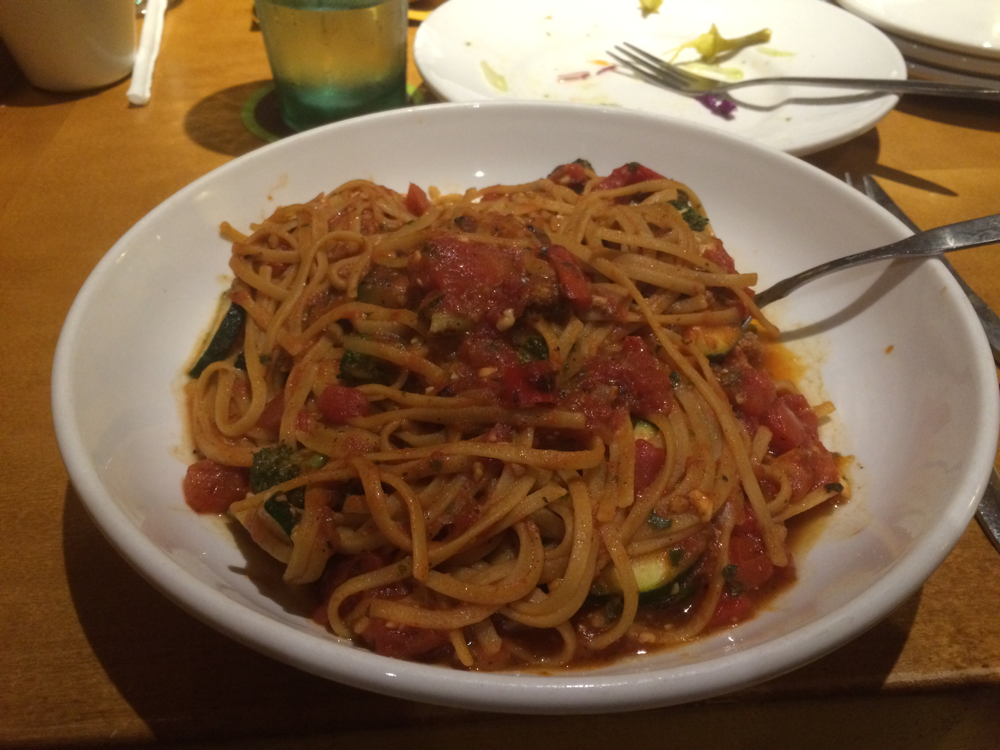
pixel 656 70
pixel 989 319
pixel 934 242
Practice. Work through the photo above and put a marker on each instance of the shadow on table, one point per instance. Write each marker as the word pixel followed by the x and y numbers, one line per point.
pixel 973 114
pixel 859 156
pixel 231 122
pixel 186 681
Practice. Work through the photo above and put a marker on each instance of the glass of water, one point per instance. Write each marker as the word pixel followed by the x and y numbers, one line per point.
pixel 334 59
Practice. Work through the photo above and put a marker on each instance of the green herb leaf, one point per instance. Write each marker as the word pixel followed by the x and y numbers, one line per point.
pixel 358 369
pixel 223 340
pixel 282 513
pixel 659 522
pixel 614 608
pixel 533 349
pixel 695 220
pixel 273 465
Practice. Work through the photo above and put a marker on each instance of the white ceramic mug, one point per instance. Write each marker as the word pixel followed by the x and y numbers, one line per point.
pixel 70 45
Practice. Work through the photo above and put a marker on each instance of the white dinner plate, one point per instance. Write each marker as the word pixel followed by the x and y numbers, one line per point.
pixel 984 68
pixel 970 26
pixel 896 347
pixel 533 44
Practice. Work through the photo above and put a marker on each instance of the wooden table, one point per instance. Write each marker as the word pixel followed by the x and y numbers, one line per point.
pixel 89 653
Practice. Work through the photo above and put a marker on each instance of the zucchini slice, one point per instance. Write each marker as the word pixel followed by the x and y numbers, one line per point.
pixel 643 430
pixel 655 573
pixel 223 340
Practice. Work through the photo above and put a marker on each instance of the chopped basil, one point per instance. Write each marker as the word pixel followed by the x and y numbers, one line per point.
pixel 833 487
pixel 273 465
pixel 614 608
pixel 358 369
pixel 695 220
pixel 730 572
pixel 282 513
pixel 659 522
pixel 533 349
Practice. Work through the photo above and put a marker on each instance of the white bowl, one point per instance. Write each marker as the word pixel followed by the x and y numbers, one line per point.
pixel 897 348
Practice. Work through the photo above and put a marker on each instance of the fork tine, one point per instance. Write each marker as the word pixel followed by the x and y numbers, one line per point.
pixel 645 69
pixel 662 65
pixel 871 189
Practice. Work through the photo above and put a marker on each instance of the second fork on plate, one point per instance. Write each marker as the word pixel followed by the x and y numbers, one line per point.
pixel 677 78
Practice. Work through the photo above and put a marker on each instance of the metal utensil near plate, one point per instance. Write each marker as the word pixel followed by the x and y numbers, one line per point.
pixel 989 319
pixel 933 242
pixel 988 513
pixel 656 70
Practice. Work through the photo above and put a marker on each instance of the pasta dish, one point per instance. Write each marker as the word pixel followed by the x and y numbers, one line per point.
pixel 518 427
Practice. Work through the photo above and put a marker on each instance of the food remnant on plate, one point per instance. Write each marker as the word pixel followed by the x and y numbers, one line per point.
pixel 718 105
pixel 728 74
pixel 712 44
pixel 772 52
pixel 495 80
pixel 650 6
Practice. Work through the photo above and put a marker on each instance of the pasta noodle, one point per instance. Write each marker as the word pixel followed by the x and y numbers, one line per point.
pixel 519 427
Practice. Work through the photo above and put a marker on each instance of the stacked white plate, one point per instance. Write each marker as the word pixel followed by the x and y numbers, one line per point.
pixel 955 41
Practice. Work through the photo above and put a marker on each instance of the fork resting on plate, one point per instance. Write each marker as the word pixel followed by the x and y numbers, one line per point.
pixel 656 70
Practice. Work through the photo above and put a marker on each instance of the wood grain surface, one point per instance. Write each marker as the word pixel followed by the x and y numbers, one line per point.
pixel 90 654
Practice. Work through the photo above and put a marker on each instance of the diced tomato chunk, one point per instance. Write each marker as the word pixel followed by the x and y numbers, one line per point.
pixel 211 487
pixel 572 283
pixel 753 567
pixel 403 642
pixel 755 392
pixel 527 385
pixel 473 279
pixel 747 552
pixel 792 423
pixel 755 572
pixel 627 174
pixel 339 570
pixel 417 201
pixel 270 418
pixel 720 257
pixel 648 462
pixel 731 609
pixel 485 347
pixel 339 404
pixel 571 175
pixel 633 380
pixel 808 468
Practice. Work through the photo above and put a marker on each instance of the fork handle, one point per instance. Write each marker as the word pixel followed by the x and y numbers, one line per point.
pixel 964 234
pixel 927 88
